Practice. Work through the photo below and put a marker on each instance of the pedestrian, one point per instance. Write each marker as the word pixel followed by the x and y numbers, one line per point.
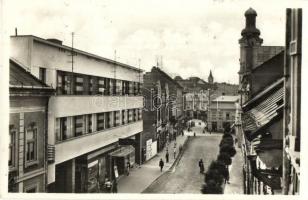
pixel 127 168
pixel 201 166
pixel 174 152
pixel 108 185
pixel 182 133
pixel 115 186
pixel 167 156
pixel 161 164
pixel 175 144
pixel 194 134
pixel 180 148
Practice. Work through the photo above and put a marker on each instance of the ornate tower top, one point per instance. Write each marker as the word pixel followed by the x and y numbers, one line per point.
pixel 210 78
pixel 250 30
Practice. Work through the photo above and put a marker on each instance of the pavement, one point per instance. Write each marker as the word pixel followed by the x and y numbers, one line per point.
pixel 185 176
pixel 236 174
pixel 140 178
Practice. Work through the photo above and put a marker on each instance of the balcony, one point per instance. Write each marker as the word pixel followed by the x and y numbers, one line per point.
pixel 63 106
pixel 75 147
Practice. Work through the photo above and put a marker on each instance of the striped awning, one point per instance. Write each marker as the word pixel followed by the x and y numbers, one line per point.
pixel 264 111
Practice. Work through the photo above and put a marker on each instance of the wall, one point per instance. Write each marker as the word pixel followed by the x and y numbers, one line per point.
pixel 268 72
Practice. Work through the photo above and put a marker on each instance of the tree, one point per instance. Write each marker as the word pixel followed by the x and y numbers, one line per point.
pixel 227 149
pixel 213 174
pixel 227 135
pixel 227 141
pixel 225 158
pixel 211 187
pixel 221 167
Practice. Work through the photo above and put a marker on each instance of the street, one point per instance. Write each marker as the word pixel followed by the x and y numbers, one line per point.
pixel 186 177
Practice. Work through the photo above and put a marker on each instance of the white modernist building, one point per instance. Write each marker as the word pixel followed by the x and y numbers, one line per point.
pixel 98 101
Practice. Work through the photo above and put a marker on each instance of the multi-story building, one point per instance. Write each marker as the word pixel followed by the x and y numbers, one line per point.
pixel 98 101
pixel 269 125
pixel 163 109
pixel 222 113
pixel 27 130
pixel 292 97
pixel 196 105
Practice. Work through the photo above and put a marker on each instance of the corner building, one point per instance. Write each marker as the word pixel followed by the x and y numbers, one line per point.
pixel 97 102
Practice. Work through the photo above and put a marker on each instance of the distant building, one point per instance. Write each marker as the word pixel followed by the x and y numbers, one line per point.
pixel 163 113
pixel 27 131
pixel 222 113
pixel 95 118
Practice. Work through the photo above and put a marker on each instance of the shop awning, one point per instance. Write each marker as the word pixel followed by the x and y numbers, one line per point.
pixel 123 151
pixel 262 112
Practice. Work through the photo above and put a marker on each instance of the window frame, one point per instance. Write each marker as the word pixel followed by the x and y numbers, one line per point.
pixel 13 145
pixel 34 161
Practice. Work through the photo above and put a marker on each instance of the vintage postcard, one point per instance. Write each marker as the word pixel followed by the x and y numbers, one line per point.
pixel 153 99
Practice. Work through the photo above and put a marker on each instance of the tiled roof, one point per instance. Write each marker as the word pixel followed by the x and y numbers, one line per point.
pixel 262 112
pixel 23 82
pixel 19 77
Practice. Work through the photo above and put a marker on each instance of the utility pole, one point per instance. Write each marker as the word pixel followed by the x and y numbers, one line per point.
pixel 72 62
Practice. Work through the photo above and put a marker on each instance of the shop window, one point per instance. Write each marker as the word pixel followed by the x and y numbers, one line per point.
pixel 100 121
pixel 31 189
pixel 12 146
pixel 31 144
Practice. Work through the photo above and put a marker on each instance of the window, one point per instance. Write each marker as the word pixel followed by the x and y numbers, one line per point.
pixel 79 84
pixel 139 113
pixel 31 144
pixel 31 189
pixel 119 87
pixel 131 88
pixel 78 125
pixel 124 117
pixel 227 116
pixel 125 87
pixel 89 123
pixel 61 124
pixel 100 121
pixel 107 86
pixel 101 86
pixel 116 115
pixel 12 146
pixel 42 74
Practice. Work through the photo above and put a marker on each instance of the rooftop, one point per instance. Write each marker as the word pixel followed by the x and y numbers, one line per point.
pixel 59 45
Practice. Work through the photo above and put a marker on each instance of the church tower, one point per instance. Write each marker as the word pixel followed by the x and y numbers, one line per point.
pixel 249 43
pixel 210 78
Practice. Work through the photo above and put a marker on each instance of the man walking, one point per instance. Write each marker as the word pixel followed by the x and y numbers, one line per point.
pixel 174 152
pixel 167 156
pixel 161 164
pixel 201 166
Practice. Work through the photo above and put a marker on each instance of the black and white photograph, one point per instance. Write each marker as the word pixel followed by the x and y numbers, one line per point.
pixel 174 97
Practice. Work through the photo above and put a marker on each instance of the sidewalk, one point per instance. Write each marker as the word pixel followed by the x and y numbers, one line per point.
pixel 236 175
pixel 140 178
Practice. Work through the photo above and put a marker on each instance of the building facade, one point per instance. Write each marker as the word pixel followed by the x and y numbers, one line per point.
pixel 98 101
pixel 164 106
pixel 222 113
pixel 27 131
pixel 268 117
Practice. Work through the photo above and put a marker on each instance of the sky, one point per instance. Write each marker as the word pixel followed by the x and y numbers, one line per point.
pixel 188 37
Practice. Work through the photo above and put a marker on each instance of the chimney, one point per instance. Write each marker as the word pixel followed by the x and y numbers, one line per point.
pixel 15 31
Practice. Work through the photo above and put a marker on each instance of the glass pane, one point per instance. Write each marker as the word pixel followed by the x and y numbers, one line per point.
pixel 30 135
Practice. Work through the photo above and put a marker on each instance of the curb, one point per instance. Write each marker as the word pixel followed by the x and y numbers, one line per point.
pixel 177 159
